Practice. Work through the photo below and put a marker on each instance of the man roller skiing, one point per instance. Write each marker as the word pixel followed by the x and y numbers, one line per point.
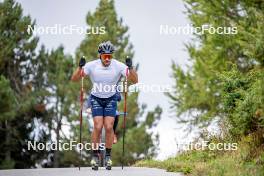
pixel 104 74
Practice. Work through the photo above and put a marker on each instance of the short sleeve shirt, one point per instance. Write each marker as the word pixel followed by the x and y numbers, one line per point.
pixel 104 79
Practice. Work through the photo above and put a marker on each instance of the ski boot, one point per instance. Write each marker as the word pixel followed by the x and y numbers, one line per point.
pixel 108 162
pixel 95 162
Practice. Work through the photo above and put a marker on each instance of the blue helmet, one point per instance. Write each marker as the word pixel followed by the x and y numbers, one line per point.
pixel 106 48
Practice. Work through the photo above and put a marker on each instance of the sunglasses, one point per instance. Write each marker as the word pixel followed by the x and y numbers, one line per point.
pixel 106 56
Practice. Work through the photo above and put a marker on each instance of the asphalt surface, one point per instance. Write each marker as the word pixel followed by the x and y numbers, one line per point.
pixel 87 171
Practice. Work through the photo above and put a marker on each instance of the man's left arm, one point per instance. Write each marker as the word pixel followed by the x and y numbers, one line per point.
pixel 132 75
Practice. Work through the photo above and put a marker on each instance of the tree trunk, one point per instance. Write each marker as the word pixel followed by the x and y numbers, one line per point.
pixel 57 131
pixel 7 142
pixel 56 152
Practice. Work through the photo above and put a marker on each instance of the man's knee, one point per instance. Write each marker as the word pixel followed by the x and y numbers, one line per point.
pixel 109 127
pixel 98 124
pixel 98 128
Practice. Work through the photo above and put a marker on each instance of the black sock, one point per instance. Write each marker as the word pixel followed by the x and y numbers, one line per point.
pixel 108 151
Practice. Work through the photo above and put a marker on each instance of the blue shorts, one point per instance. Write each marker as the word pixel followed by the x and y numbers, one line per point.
pixel 104 106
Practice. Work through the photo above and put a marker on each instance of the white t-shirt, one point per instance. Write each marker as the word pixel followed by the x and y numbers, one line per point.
pixel 104 79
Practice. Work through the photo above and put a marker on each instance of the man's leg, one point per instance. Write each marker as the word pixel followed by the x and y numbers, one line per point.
pixel 109 133
pixel 110 113
pixel 97 112
pixel 108 125
pixel 98 125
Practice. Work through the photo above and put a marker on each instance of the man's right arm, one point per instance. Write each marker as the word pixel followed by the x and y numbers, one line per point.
pixel 76 76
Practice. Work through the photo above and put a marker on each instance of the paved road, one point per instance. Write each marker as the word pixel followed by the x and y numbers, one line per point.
pixel 86 171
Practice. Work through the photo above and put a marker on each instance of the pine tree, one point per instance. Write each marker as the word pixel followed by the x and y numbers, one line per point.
pixel 226 68
pixel 19 115
pixel 60 96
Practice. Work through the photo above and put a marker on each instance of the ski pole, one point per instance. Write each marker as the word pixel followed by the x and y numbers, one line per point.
pixel 124 121
pixel 81 109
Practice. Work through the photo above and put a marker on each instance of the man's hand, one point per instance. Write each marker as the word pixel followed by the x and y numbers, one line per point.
pixel 129 63
pixel 76 76
pixel 133 77
pixel 82 62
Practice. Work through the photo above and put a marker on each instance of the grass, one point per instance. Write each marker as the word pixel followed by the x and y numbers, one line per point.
pixel 245 161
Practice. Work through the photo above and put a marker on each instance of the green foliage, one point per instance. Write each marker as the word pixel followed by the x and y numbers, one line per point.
pixel 30 83
pixel 213 162
pixel 60 94
pixel 7 164
pixel 225 79
pixel 7 100
pixel 105 16
pixel 243 99
pixel 18 115
pixel 224 83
